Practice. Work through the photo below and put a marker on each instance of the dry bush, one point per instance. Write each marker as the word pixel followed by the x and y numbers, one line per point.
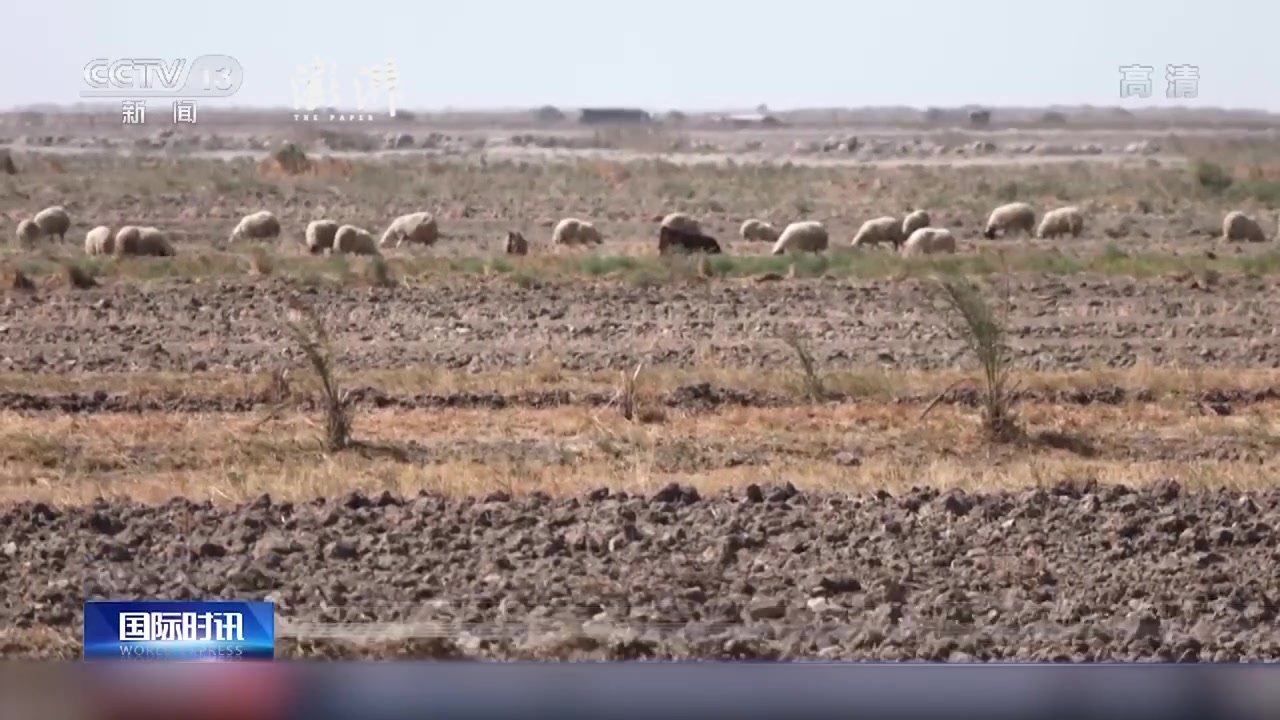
pixel 985 334
pixel 6 163
pixel 308 331
pixel 811 383
pixel 629 401
pixel 78 277
pixel 292 159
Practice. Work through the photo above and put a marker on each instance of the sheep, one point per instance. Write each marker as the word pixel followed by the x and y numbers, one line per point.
pixel 262 225
pixel 320 235
pixel 516 244
pixel 914 221
pixel 881 229
pixel 1061 221
pixel 28 232
pixel 1238 226
pixel 419 228
pixel 754 230
pixel 672 240
pixel 682 222
pixel 929 241
pixel 1008 218
pixel 572 231
pixel 351 240
pixel 803 236
pixel 99 241
pixel 53 221
pixel 133 240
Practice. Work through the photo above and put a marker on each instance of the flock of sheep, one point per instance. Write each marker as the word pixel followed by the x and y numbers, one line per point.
pixel 678 233
pixel 912 235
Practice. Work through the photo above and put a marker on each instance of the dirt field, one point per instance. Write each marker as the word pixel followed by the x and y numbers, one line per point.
pixel 610 454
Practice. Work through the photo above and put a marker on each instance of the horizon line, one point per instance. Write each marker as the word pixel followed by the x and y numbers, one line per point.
pixel 498 109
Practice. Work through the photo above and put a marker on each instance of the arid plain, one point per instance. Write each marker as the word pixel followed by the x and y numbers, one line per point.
pixel 607 453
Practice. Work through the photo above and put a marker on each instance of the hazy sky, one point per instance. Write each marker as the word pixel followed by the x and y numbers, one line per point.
pixel 660 54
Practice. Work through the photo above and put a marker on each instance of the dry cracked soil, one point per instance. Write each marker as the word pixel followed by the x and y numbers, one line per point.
pixel 468 323
pixel 1072 572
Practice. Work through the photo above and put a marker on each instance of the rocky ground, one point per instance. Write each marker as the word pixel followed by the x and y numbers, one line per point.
pixel 1067 572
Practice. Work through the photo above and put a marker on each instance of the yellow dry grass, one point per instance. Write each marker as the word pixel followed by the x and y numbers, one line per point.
pixel 852 447
pixel 546 374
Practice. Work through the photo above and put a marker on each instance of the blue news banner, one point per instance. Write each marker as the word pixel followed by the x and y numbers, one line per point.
pixel 179 630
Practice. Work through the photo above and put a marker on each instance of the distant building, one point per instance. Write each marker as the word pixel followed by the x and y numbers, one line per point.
pixel 750 120
pixel 980 118
pixel 595 116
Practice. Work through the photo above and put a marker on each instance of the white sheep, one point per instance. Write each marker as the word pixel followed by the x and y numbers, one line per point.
pixel 755 230
pixel 1061 221
pixel 419 228
pixel 132 240
pixel 99 241
pixel 914 221
pixel 802 236
pixel 27 232
pixel 351 240
pixel 1238 226
pixel 929 241
pixel 572 231
pixel 319 236
pixel 879 230
pixel 53 221
pixel 262 225
pixel 682 222
pixel 1008 218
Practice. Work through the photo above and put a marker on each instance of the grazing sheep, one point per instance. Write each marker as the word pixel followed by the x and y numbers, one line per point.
pixel 99 241
pixel 53 221
pixel 516 244
pixel 28 232
pixel 929 241
pixel 803 236
pixel 419 228
pixel 682 222
pixel 1238 226
pixel 262 225
pixel 754 230
pixel 914 221
pixel 672 240
pixel 1008 218
pixel 351 240
pixel 1061 221
pixel 879 230
pixel 572 231
pixel 132 240
pixel 320 236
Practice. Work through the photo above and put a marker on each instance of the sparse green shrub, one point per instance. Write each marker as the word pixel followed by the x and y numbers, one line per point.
pixel 311 336
pixel 1211 176
pixel 985 334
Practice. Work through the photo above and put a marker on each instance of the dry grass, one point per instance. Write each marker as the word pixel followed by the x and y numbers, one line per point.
pixel 1160 382
pixel 568 450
